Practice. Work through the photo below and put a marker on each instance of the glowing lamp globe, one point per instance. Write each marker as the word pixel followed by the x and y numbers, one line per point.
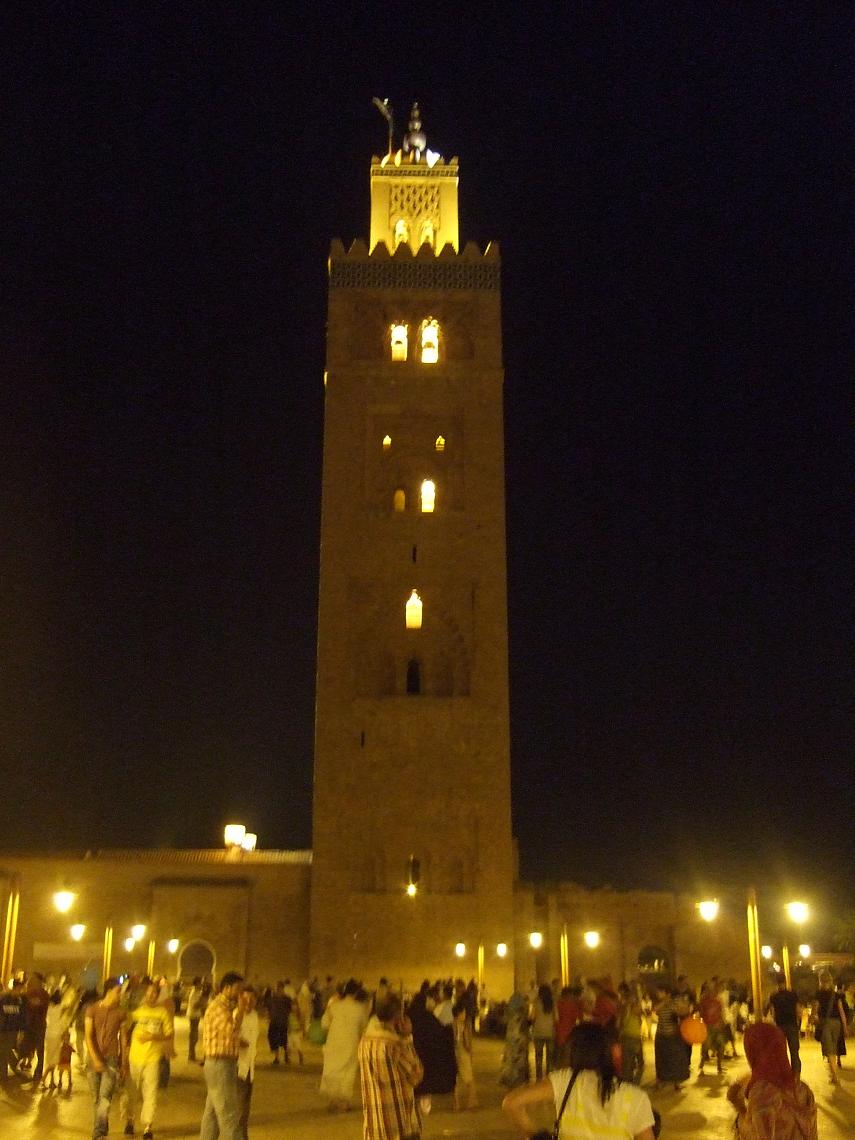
pixel 708 909
pixel 460 949
pixel 64 901
pixel 804 950
pixel 535 939
pixel 502 950
pixel 233 834
pixel 172 945
pixel 130 943
pixel 798 911
pixel 77 931
pixel 412 890
pixel 766 951
pixel 138 932
pixel 249 842
pixel 592 939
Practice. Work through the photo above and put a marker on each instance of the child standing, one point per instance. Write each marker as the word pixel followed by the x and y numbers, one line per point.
pixel 66 1052
pixel 463 1057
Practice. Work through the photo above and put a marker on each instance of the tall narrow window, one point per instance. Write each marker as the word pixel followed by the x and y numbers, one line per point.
pixel 414 678
pixel 402 231
pixel 399 334
pixel 399 500
pixel 429 335
pixel 440 443
pixel 414 611
pixel 428 496
pixel 387 442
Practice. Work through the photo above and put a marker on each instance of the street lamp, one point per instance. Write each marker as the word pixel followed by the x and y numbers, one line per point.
pixel 172 945
pixel 460 949
pixel 77 931
pixel 592 939
pixel 64 901
pixel 798 911
pixel 708 910
pixel 234 834
pixel 138 932
pixel 502 950
pixel 804 950
pixel 766 951
pixel 535 939
pixel 130 943
pixel 249 841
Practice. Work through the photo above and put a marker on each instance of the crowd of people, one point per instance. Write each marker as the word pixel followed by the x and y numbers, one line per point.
pixel 586 1040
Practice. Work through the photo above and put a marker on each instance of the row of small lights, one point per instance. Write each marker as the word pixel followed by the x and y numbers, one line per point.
pixel 591 938
pixel 64 901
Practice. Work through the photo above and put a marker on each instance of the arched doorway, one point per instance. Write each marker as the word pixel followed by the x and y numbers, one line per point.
pixel 654 966
pixel 197 959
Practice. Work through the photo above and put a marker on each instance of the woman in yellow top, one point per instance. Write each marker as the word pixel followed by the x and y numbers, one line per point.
pixel 149 1027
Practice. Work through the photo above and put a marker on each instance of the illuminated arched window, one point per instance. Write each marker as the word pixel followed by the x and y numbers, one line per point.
pixel 414 611
pixel 399 500
pixel 387 442
pixel 429 338
pixel 402 231
pixel 399 342
pixel 427 233
pixel 440 443
pixel 414 678
pixel 428 496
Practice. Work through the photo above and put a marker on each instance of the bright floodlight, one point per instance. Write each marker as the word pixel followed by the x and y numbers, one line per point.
pixel 804 950
pixel 249 841
pixel 766 951
pixel 502 950
pixel 77 931
pixel 460 949
pixel 708 909
pixel 798 911
pixel 172 945
pixel 592 938
pixel 130 943
pixel 233 834
pixel 64 901
pixel 536 939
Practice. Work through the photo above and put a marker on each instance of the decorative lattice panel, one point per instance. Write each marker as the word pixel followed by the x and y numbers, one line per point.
pixel 416 204
pixel 434 274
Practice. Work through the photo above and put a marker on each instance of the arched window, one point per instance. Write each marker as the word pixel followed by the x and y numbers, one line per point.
pixel 414 611
pixel 402 231
pixel 428 496
pixel 399 500
pixel 414 678
pixel 387 442
pixel 429 341
pixel 440 443
pixel 398 334
pixel 427 233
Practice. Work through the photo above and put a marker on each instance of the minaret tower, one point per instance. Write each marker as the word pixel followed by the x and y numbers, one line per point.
pixel 413 856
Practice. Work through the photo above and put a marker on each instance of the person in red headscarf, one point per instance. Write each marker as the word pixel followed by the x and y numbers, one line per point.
pixel 772 1103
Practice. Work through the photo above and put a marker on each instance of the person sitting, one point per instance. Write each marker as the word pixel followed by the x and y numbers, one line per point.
pixel 771 1103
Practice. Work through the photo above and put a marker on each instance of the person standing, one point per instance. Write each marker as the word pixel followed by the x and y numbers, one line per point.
pixel 712 1016
pixel 543 1023
pixel 151 1026
pixel 11 1024
pixel 36 1002
pixel 221 1037
pixel 389 1071
pixel 246 1058
pixel 345 1021
pixel 194 1016
pixel 279 1007
pixel 102 1029
pixel 787 1011
pixel 830 1019
pixel 629 1030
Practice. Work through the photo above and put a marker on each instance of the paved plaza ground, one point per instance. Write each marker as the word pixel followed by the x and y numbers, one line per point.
pixel 287 1105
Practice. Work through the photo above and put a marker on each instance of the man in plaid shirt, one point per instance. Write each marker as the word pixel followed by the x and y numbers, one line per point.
pixel 389 1070
pixel 221 1041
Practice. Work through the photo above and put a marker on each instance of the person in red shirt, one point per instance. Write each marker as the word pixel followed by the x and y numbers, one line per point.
pixel 570 1011
pixel 712 1015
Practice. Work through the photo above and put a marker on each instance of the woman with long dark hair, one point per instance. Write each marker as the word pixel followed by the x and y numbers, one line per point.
pixel 772 1101
pixel 543 1021
pixel 589 1096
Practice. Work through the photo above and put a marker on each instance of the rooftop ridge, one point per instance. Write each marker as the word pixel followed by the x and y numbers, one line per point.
pixel 214 856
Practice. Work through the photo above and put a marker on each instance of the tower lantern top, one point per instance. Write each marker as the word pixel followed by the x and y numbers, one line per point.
pixel 413 192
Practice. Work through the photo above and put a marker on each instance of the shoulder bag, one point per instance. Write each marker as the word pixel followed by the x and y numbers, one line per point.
pixel 544 1133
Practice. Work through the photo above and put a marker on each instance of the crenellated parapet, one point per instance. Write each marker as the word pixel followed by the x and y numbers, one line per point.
pixel 359 268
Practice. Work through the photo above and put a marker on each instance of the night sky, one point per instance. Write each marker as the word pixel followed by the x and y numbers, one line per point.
pixel 672 191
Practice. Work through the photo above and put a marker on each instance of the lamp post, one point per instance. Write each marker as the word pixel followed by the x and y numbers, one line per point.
pixel 754 953
pixel 108 949
pixel 564 951
pixel 10 932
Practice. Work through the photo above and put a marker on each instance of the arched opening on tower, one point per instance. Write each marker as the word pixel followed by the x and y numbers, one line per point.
pixel 428 496
pixel 429 336
pixel 399 499
pixel 399 342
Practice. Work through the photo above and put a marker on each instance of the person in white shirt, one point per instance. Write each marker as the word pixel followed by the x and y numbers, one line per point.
pixel 246 1058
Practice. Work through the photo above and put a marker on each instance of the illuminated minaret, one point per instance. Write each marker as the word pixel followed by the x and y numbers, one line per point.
pixel 412 826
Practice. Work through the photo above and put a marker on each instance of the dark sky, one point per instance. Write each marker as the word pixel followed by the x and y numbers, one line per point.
pixel 672 192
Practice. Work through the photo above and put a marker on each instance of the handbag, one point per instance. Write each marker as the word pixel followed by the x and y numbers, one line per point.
pixel 544 1133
